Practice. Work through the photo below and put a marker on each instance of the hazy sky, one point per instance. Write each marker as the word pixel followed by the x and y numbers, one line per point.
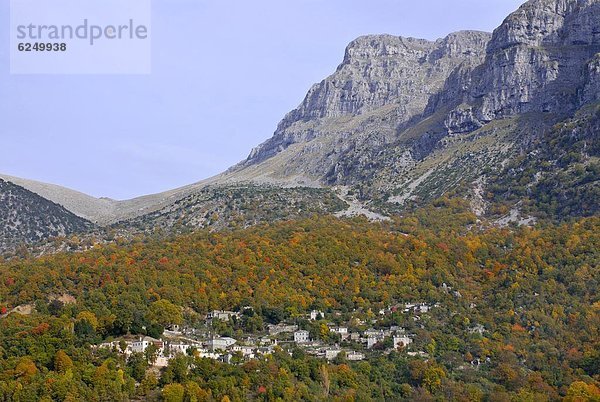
pixel 224 72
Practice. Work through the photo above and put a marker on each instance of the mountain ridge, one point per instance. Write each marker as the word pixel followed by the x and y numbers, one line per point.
pixel 403 121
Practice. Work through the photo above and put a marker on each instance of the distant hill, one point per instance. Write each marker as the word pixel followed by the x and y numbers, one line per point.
pixel 27 218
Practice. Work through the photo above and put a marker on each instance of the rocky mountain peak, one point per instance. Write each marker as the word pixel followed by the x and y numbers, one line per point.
pixel 395 102
pixel 370 76
pixel 377 71
pixel 371 47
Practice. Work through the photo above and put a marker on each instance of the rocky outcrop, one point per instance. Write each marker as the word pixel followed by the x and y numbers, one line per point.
pixel 591 91
pixel 378 71
pixel 462 120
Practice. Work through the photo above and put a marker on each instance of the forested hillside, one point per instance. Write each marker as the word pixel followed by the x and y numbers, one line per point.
pixel 521 321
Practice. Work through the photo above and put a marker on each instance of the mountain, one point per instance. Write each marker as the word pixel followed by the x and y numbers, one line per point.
pixel 27 218
pixel 385 124
pixel 82 205
pixel 507 120
pixel 383 83
pixel 493 315
pixel 446 143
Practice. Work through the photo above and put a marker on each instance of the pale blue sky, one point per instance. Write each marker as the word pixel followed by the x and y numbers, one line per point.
pixel 224 72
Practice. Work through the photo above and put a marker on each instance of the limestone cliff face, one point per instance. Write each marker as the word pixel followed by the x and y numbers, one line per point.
pixel 381 69
pixel 539 60
pixel 377 71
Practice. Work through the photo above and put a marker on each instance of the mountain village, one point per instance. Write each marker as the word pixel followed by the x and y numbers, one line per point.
pixel 341 342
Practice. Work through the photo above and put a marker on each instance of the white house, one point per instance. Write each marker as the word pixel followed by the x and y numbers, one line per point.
pixel 209 355
pixel 301 336
pixel 374 333
pixel 221 315
pixel 477 329
pixel 267 341
pixel 221 343
pixel 266 350
pixel 182 348
pixel 115 345
pixel 331 354
pixel 341 331
pixel 246 351
pixel 355 356
pixel 373 340
pixel 140 345
pixel 423 308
